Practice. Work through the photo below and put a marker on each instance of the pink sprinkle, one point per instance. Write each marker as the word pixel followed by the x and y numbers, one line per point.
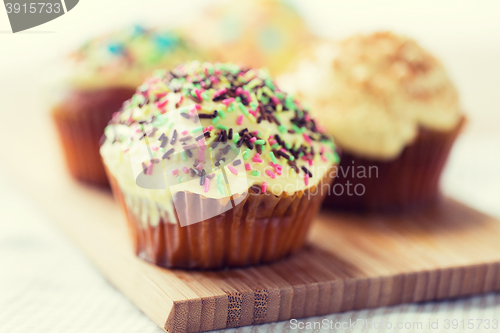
pixel 248 167
pixel 160 95
pixel 180 99
pixel 310 162
pixel 227 101
pixel 270 174
pixel 197 106
pixel 283 150
pixel 306 179
pixel 253 139
pixel 198 94
pixel 201 143
pixel 200 166
pixel 275 100
pixel 307 138
pixel 207 185
pixel 214 79
pixel 200 155
pixel 271 141
pixel 210 128
pixel 162 104
pixel 192 111
pixel 126 150
pixel 255 132
pixel 264 187
pixel 155 148
pixel 219 92
pixel 233 170
pixel 150 169
pixel 175 172
pixel 253 113
pixel 185 132
pixel 323 158
pixel 239 121
pixel 185 169
pixel 307 117
pixel 138 130
pixel 239 91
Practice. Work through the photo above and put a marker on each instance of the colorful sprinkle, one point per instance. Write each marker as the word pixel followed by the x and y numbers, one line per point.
pixel 233 170
pixel 239 121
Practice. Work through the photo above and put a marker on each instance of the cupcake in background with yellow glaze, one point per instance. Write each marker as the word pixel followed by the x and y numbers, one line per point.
pixel 102 74
pixel 216 167
pixel 393 110
pixel 259 33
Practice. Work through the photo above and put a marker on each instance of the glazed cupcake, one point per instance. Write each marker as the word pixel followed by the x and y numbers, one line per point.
pixel 259 33
pixel 392 109
pixel 104 72
pixel 215 167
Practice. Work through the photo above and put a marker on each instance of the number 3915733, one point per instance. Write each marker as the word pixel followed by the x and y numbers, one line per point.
pixel 33 8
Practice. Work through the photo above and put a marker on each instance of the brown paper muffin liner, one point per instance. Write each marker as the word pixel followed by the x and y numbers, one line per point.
pixel 80 121
pixel 411 181
pixel 261 229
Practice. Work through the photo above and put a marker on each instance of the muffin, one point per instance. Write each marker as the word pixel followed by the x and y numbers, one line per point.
pixel 259 33
pixel 215 167
pixel 391 108
pixel 104 72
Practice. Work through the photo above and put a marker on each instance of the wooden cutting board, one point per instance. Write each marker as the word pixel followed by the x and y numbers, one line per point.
pixel 351 262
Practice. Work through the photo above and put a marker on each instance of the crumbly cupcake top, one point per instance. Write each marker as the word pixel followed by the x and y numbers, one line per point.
pixel 259 33
pixel 126 57
pixel 374 91
pixel 202 126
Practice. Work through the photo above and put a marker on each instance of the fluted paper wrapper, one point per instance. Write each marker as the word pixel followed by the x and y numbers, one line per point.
pixel 80 120
pixel 409 182
pixel 261 229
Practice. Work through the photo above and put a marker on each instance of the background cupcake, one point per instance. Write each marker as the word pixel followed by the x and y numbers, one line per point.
pixel 392 109
pixel 104 72
pixel 215 166
pixel 259 33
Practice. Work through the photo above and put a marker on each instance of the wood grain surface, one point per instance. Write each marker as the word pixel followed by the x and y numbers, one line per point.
pixel 351 262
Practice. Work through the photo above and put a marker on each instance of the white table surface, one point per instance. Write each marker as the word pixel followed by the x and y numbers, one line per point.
pixel 47 285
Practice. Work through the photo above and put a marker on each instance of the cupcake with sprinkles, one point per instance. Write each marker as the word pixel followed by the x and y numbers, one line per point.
pixel 103 73
pixel 259 33
pixel 393 110
pixel 215 166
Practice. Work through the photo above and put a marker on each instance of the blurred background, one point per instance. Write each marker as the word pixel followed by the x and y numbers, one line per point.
pixel 464 35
